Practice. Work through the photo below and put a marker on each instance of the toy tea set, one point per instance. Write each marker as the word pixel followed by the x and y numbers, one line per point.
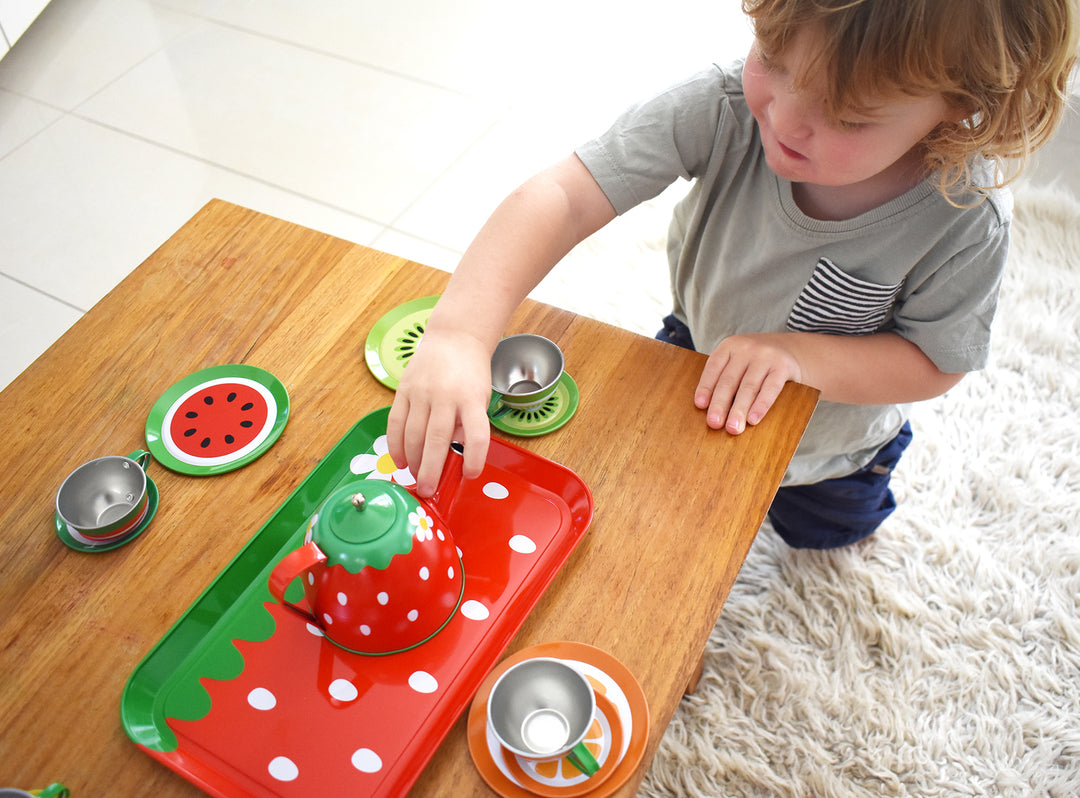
pixel 417 599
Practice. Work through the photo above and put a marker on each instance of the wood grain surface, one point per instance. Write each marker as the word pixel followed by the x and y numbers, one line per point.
pixel 677 505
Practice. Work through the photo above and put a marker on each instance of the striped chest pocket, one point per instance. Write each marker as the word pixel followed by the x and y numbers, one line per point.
pixel 835 302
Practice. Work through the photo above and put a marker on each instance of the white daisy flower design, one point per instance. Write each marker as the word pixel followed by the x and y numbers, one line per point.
pixel 378 464
pixel 425 526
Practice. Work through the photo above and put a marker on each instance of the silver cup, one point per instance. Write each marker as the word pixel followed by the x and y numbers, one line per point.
pixel 525 372
pixel 105 498
pixel 541 709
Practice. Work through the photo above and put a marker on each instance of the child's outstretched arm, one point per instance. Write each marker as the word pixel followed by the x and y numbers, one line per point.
pixel 444 392
pixel 745 373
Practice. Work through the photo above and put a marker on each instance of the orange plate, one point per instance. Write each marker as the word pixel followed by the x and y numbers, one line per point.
pixel 635 728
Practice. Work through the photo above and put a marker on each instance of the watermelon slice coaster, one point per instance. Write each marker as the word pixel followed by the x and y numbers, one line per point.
pixel 218 419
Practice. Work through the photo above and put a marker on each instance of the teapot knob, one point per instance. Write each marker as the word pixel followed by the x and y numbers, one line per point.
pixel 358 501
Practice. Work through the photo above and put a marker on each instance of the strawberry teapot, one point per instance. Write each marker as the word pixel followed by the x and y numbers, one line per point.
pixel 380 570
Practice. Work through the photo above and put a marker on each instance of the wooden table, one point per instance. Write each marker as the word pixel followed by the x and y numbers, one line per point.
pixel 677 505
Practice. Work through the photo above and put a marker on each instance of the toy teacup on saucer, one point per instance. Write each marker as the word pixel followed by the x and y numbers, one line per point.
pixel 525 372
pixel 106 501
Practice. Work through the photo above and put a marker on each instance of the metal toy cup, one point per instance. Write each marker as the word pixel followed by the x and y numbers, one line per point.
pixel 107 498
pixel 525 372
pixel 541 709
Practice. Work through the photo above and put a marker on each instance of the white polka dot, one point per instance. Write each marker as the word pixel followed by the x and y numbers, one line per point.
pixel 343 690
pixel 423 682
pixel 283 769
pixel 474 610
pixel 315 630
pixel 327 619
pixel 522 544
pixel 366 761
pixel 425 574
pixel 493 490
pixel 413 615
pixel 310 578
pixel 440 535
pixel 365 630
pixel 262 699
pixel 342 599
pixel 383 598
pixel 450 572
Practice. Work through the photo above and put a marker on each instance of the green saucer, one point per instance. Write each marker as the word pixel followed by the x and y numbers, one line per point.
pixel 66 538
pixel 393 339
pixel 264 399
pixel 552 414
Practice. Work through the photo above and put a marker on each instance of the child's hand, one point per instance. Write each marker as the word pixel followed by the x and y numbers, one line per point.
pixel 443 397
pixel 742 379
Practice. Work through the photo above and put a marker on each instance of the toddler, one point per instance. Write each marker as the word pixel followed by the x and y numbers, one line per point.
pixel 847 228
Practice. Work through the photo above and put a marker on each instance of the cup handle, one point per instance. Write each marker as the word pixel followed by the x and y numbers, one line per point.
pixel 142 457
pixel 496 407
pixel 54 790
pixel 291 566
pixel 581 757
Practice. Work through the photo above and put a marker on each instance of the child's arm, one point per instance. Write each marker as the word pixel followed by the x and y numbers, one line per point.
pixel 444 392
pixel 745 373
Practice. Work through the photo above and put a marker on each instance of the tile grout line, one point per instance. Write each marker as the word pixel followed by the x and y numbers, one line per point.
pixel 434 181
pixel 278 40
pixel 38 291
pixel 229 169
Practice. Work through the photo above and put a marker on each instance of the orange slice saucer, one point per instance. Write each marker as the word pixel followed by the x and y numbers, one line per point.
pixel 560 778
pixel 622 711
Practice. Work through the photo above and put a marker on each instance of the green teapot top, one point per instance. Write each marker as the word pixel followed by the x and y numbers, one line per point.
pixel 365 523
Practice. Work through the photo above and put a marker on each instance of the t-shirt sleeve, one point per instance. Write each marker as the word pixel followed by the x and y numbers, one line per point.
pixel 948 314
pixel 656 142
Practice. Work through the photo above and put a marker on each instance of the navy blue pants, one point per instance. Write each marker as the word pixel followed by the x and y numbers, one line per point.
pixel 835 512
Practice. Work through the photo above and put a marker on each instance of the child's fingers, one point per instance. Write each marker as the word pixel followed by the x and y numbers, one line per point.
pixel 395 430
pixel 434 446
pixel 766 397
pixel 747 393
pixel 757 392
pixel 718 386
pixel 476 437
pixel 710 375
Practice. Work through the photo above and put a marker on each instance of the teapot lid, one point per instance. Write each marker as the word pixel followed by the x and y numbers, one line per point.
pixel 365 523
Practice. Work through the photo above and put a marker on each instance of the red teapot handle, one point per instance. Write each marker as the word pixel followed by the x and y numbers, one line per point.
pixel 291 566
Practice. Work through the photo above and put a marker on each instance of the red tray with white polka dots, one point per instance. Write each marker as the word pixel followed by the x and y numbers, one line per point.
pixel 243 698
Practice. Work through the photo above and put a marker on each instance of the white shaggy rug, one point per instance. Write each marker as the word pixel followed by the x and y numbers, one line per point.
pixel 942 656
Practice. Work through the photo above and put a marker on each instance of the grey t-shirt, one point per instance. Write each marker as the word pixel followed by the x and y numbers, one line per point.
pixel 744 258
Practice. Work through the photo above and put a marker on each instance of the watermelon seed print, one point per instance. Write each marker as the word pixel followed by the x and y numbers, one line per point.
pixel 219 421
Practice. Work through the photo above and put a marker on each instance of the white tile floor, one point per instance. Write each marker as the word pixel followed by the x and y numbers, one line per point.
pixel 393 124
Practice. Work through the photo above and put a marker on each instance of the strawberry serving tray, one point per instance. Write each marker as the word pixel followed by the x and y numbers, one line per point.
pixel 243 698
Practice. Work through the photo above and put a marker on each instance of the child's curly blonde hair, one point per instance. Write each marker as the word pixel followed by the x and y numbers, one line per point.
pixel 1003 64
